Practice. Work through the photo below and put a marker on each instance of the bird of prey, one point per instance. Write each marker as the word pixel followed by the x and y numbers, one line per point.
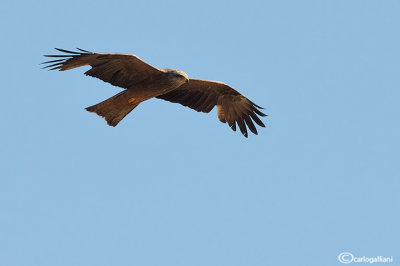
pixel 142 81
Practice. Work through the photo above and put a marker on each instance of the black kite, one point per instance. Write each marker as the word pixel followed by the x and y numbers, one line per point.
pixel 143 81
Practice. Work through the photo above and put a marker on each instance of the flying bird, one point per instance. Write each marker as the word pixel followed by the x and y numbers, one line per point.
pixel 142 81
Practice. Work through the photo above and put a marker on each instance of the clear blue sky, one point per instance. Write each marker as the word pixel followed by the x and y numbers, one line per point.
pixel 169 186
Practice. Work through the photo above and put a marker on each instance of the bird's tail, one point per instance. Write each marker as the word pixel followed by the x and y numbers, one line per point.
pixel 114 109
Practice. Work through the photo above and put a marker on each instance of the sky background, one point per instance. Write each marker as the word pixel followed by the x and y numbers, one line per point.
pixel 169 186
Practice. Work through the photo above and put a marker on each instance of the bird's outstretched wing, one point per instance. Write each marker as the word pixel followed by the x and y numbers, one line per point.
pixel 232 107
pixel 122 70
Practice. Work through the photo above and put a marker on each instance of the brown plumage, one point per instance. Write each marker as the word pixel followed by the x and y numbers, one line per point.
pixel 143 81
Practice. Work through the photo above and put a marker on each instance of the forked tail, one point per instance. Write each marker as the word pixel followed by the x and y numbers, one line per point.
pixel 114 109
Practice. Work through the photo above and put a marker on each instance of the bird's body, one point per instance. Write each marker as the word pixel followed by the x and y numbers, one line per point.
pixel 117 107
pixel 142 81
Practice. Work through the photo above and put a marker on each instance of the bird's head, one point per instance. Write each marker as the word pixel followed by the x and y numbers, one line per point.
pixel 178 75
